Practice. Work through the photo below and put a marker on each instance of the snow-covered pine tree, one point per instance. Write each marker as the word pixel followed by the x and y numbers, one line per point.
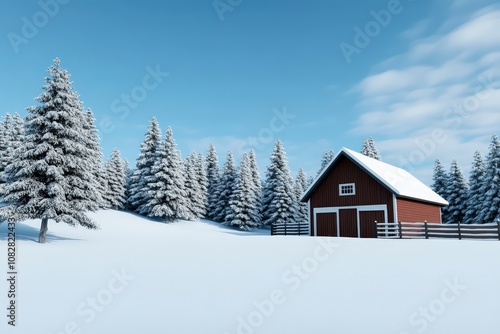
pixel 279 200
pixel 128 175
pixel 325 160
pixel 490 206
pixel 457 191
pixel 95 156
pixel 475 197
pixel 116 177
pixel 5 146
pixel 439 179
pixel 17 131
pixel 243 205
pixel 299 186
pixel 194 192
pixel 213 177
pixel 166 193
pixel 138 186
pixel 310 180
pixel 225 189
pixel 370 150
pixel 104 187
pixel 257 187
pixel 439 185
pixel 50 177
pixel 201 174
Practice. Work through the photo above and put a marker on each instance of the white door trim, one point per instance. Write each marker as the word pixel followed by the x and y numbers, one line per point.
pixel 359 208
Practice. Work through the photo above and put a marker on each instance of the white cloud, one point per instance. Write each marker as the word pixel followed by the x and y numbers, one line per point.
pixel 438 86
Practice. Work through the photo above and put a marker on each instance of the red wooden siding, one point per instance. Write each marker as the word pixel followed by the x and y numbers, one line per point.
pixel 368 190
pixel 327 224
pixel 367 222
pixel 413 212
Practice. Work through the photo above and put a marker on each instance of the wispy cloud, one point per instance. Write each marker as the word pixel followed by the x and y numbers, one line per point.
pixel 447 82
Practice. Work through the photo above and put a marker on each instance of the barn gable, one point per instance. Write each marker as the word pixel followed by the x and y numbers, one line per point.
pixel 354 191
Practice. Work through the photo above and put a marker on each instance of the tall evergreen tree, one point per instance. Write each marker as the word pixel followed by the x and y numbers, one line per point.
pixel 128 175
pixel 116 177
pixel 475 197
pixel 95 156
pixel 17 131
pixel 194 192
pixel 201 174
pixel 279 202
pixel 167 195
pixel 243 205
pixel 370 150
pixel 213 177
pixel 325 160
pixel 257 187
pixel 49 177
pixel 226 187
pixel 300 185
pixel 490 207
pixel 439 185
pixel 5 146
pixel 138 186
pixel 457 191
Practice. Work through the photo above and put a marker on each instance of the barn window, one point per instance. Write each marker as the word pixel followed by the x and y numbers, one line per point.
pixel 347 189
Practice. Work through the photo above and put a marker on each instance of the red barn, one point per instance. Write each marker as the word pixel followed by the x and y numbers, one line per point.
pixel 354 191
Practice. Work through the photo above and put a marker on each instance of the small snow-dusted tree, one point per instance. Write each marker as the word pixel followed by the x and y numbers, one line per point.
pixel 50 177
pixel 325 160
pixel 257 186
pixel 279 202
pixel 370 150
pixel 116 177
pixel 475 197
pixel 243 205
pixel 138 186
pixel 490 207
pixel 226 187
pixel 194 192
pixel 166 193
pixel 213 177
pixel 300 185
pixel 310 180
pixel 457 191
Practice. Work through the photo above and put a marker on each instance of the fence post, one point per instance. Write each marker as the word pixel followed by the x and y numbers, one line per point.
pixel 376 229
pixel 426 230
pixel 459 232
pixel 400 230
pixel 498 228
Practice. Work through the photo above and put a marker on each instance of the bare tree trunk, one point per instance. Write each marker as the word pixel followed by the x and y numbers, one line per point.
pixel 43 231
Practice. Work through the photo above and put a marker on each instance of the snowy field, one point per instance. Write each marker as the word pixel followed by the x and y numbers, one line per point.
pixel 142 276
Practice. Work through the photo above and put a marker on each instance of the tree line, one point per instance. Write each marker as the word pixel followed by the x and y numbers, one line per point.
pixel 51 168
pixel 476 201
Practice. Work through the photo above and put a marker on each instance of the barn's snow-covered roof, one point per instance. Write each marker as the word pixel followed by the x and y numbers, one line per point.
pixel 398 180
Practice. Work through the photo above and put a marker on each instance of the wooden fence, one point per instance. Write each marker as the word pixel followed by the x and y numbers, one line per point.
pixel 402 230
pixel 290 229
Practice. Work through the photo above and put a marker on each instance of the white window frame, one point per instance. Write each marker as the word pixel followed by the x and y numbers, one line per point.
pixel 347 185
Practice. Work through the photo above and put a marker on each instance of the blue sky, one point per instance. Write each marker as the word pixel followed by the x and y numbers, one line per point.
pixel 421 80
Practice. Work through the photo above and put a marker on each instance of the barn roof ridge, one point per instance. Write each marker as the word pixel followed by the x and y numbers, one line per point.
pixel 397 180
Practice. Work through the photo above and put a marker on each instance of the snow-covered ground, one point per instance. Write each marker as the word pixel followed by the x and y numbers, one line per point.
pixel 142 276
